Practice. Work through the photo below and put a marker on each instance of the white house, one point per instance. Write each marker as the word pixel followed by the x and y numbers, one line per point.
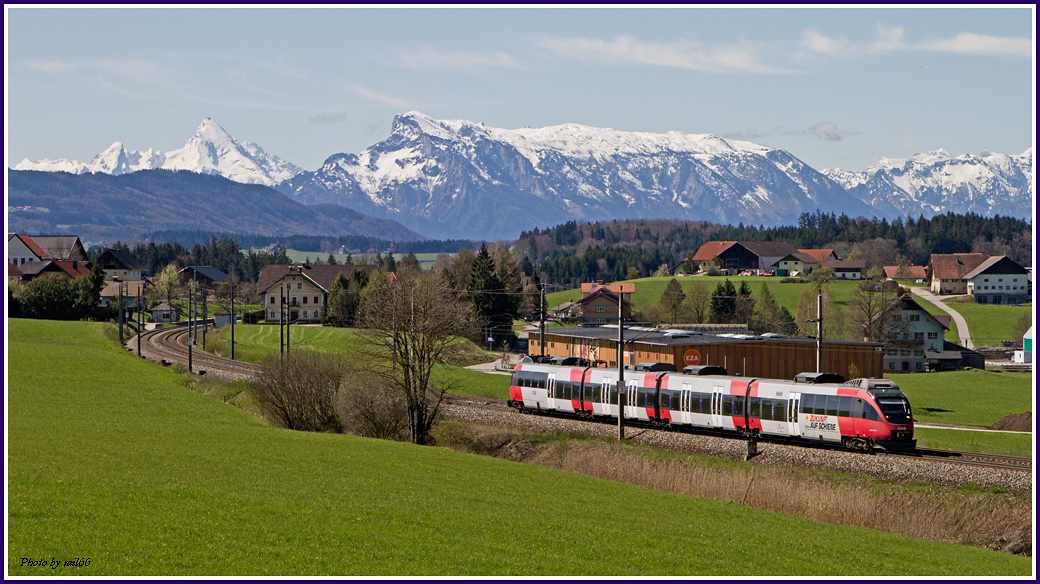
pixel 923 334
pixel 998 280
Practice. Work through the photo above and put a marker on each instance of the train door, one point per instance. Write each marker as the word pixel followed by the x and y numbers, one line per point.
pixel 608 382
pixel 550 390
pixel 716 406
pixel 793 403
pixel 632 399
pixel 684 403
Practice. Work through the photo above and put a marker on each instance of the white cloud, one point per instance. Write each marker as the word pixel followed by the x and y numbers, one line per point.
pixel 740 58
pixel 893 39
pixel 826 131
pixel 979 44
pixel 382 98
pixel 425 58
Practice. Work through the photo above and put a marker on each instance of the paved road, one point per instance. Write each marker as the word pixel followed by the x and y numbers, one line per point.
pixel 962 325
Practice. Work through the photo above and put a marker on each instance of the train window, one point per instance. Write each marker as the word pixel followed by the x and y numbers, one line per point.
pixel 869 413
pixel 896 410
pixel 808 400
pixel 832 405
pixel 738 405
pixel 843 406
pixel 516 378
pixel 704 403
pixel 727 405
pixel 756 408
pixel 820 407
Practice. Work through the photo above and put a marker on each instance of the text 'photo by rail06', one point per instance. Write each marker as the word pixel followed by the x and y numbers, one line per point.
pixel 861 414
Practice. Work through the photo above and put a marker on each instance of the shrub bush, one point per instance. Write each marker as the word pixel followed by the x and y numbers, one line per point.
pixel 299 391
pixel 366 407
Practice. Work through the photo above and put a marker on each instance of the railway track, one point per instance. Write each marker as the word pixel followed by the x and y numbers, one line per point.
pixel 933 455
pixel 969 458
pixel 170 345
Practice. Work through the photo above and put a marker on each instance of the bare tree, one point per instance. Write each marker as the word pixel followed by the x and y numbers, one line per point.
pixel 876 312
pixel 411 323
pixel 697 301
pixel 299 393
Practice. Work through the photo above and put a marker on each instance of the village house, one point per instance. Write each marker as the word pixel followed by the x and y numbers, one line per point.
pixel 922 336
pixel 796 264
pixel 734 256
pixel 23 248
pixel 120 263
pixel 302 289
pixel 165 312
pixel 948 271
pixel 998 280
pixel 207 277
pixel 915 273
pixel 846 269
pixel 68 269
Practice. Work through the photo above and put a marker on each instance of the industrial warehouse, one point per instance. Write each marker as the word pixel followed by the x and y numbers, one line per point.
pixel 769 356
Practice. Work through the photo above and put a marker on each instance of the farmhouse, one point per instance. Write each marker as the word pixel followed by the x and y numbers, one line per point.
pixel 119 263
pixel 847 269
pixel 41 248
pixel 743 255
pixel 303 290
pixel 998 280
pixel 921 339
pixel 948 271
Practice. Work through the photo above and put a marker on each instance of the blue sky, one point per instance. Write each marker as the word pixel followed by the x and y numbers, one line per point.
pixel 836 87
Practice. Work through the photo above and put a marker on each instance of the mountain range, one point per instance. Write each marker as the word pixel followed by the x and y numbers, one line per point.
pixel 459 179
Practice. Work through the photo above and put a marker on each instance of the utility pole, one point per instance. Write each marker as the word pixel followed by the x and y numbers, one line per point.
pixel 541 317
pixel 281 318
pixel 621 368
pixel 140 317
pixel 232 321
pixel 205 313
pixel 191 322
pixel 120 308
pixel 819 331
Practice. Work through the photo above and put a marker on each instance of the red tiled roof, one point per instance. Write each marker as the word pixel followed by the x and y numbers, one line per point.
pixel 915 272
pixel 73 268
pixel 821 255
pixel 614 287
pixel 711 249
pixel 28 241
pixel 600 292
pixel 953 266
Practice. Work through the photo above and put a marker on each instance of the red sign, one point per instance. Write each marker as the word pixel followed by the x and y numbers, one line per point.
pixel 692 357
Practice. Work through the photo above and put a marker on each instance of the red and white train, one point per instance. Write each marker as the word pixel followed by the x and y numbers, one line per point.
pixel 861 413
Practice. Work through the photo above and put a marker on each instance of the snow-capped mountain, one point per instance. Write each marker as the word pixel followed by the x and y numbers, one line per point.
pixel 210 151
pixel 453 178
pixel 935 182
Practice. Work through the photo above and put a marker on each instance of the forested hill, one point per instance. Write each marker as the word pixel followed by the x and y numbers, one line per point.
pixel 613 250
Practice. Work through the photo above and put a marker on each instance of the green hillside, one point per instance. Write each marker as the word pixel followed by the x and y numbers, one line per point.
pixel 115 466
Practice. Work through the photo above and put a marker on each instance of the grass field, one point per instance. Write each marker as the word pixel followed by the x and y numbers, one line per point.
pixel 989 324
pixel 254 343
pixel 426 260
pixel 987 442
pixel 966 398
pixel 111 459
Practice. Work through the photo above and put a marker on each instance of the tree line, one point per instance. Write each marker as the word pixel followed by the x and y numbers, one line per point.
pixel 578 251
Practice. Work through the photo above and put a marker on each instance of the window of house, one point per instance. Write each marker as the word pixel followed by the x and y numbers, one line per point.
pixel 316 300
pixel 933 335
pixel 915 317
pixel 601 309
pixel 918 336
pixel 919 364
pixel 299 285
pixel 1000 279
pixel 273 315
pixel 272 300
pixel 315 314
pixel 304 314
pixel 305 300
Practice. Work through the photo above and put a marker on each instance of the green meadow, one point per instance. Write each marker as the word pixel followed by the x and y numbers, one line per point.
pixel 972 397
pixel 114 465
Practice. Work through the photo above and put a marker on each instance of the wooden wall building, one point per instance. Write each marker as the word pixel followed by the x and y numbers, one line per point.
pixel 774 358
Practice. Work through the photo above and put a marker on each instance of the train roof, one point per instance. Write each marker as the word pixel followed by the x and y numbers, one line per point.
pixel 874 386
